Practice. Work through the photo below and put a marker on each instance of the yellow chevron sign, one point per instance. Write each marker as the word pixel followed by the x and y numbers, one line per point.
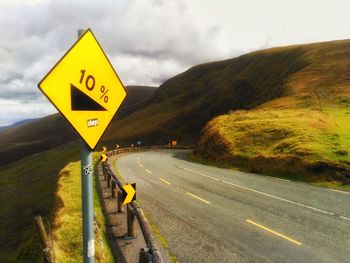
pixel 128 193
pixel 104 157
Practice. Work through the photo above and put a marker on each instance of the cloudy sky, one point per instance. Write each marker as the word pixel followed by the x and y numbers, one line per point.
pixel 148 41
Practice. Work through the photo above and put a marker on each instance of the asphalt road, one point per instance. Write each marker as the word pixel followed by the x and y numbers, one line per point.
pixel 208 214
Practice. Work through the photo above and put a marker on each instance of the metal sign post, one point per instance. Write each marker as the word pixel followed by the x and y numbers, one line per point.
pixel 87 198
pixel 87 203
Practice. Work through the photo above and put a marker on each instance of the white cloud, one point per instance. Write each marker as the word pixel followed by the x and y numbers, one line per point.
pixel 13 110
pixel 150 41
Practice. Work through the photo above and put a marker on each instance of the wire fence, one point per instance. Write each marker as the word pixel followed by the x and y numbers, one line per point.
pixel 35 252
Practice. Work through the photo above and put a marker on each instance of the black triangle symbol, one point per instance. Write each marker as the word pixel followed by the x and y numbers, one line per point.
pixel 81 102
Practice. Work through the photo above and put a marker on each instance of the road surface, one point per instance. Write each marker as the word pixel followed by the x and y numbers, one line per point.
pixel 209 214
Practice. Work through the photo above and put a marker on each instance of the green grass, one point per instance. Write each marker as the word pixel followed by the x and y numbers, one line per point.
pixel 68 224
pixel 27 188
pixel 303 144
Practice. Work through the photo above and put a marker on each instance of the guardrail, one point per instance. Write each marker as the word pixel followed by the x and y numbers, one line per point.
pixel 145 148
pixel 133 209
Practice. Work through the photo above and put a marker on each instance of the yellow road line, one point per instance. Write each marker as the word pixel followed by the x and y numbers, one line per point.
pixel 201 199
pixel 343 192
pixel 274 232
pixel 148 171
pixel 165 181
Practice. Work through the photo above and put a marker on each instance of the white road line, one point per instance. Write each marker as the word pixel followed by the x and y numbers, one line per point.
pixel 343 192
pixel 344 217
pixel 200 199
pixel 164 181
pixel 279 179
pixel 280 198
pixel 269 195
pixel 140 164
pixel 189 170
pixel 148 171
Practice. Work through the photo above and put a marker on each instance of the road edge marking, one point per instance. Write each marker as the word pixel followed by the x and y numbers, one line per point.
pixel 200 199
pixel 274 232
pixel 191 171
pixel 164 181
pixel 278 179
pixel 280 198
pixel 270 195
pixel 339 191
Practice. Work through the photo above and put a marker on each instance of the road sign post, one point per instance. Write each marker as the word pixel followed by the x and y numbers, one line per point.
pixel 87 203
pixel 87 198
pixel 86 90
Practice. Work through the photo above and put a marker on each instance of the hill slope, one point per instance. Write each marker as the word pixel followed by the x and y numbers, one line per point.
pixel 185 103
pixel 304 131
pixel 28 188
pixel 42 134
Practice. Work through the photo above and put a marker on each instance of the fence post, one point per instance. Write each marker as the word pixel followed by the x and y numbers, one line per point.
pixel 120 202
pixel 131 222
pixel 108 179
pixel 143 256
pixel 104 172
pixel 113 188
pixel 49 256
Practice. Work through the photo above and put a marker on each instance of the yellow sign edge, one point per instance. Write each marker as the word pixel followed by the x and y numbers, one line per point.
pixel 92 147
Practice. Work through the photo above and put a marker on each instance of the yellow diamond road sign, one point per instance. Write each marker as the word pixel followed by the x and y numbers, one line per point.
pixel 84 87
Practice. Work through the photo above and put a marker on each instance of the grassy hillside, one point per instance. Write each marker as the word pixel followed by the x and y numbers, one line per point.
pixel 304 131
pixel 137 97
pixel 38 136
pixel 185 103
pixel 67 229
pixel 27 188
pixel 51 131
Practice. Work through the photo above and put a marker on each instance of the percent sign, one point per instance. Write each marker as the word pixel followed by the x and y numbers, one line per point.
pixel 104 93
pixel 90 85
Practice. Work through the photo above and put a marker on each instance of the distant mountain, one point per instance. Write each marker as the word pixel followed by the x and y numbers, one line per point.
pixel 23 139
pixel 18 123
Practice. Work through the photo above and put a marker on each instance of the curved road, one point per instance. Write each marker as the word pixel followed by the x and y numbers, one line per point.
pixel 208 214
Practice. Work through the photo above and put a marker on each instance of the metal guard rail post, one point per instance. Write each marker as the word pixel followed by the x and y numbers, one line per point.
pixel 145 226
